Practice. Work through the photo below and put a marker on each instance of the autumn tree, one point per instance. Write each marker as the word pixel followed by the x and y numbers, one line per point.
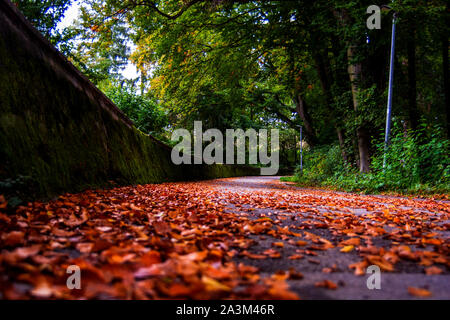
pixel 315 64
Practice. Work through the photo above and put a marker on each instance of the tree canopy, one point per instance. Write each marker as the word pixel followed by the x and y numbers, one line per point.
pixel 244 64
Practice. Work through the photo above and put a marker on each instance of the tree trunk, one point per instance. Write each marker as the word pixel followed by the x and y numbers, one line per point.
pixel 446 81
pixel 412 89
pixel 302 110
pixel 340 135
pixel 354 71
pixel 363 148
pixel 325 77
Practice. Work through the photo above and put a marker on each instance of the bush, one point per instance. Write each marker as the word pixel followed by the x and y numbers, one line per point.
pixel 145 113
pixel 416 162
pixel 319 165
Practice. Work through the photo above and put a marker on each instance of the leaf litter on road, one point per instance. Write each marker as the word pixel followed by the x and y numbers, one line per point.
pixel 181 240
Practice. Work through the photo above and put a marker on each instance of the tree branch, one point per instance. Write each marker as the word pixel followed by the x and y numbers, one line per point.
pixel 153 5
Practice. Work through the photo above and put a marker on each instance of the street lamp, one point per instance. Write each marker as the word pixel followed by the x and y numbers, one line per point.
pixel 301 151
pixel 391 82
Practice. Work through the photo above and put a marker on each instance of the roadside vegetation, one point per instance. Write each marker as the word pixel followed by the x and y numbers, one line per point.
pixel 417 162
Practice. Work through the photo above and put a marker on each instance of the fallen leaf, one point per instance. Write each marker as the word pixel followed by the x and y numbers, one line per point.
pixel 347 248
pixel 13 238
pixel 42 289
pixel 278 244
pixel 433 270
pixel 328 284
pixel 351 241
pixel 213 285
pixel 418 292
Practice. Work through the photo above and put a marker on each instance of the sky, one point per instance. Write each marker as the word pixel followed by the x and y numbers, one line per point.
pixel 130 71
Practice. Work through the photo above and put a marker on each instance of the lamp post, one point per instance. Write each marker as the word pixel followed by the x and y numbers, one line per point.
pixel 301 151
pixel 391 82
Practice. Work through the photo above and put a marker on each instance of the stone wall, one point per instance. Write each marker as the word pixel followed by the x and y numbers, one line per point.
pixel 59 133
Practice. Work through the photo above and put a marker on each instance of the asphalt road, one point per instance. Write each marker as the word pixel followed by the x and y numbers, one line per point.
pixel 312 206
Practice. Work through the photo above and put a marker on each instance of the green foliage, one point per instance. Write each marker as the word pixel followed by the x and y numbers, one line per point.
pixel 416 161
pixel 145 113
pixel 319 164
pixel 368 111
pixel 44 15
pixel 99 49
pixel 17 188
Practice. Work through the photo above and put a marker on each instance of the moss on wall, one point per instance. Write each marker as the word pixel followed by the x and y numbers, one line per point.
pixel 56 134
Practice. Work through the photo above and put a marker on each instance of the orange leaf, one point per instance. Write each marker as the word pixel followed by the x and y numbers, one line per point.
pixel 351 241
pixel 213 285
pixel 328 284
pixel 278 244
pixel 295 257
pixel 418 292
pixel 433 270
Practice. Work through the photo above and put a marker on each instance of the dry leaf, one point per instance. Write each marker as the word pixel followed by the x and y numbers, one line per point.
pixel 418 292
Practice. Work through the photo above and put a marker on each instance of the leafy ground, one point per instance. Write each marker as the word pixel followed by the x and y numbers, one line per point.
pixel 229 238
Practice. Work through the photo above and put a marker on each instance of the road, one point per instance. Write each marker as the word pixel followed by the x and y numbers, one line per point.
pixel 307 207
pixel 237 238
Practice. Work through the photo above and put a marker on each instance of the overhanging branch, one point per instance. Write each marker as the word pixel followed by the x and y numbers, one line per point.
pixel 153 6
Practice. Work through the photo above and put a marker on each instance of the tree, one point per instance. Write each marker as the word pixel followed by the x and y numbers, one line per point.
pixel 144 112
pixel 252 63
pixel 44 15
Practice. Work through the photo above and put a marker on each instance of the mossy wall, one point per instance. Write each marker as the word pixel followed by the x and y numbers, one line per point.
pixel 58 133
